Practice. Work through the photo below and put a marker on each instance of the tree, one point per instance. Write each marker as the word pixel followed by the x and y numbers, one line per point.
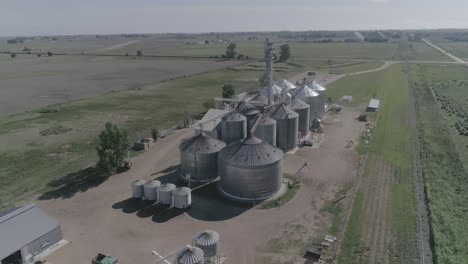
pixel 155 134
pixel 240 56
pixel 112 149
pixel 207 42
pixel 285 52
pixel 228 90
pixel 210 103
pixel 139 53
pixel 49 54
pixel 13 55
pixel 231 51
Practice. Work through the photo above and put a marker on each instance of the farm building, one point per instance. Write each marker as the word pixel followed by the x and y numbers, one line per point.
pixel 373 106
pixel 30 231
pixel 212 123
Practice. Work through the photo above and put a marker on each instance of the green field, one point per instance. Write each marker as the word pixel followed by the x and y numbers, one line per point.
pixel 391 144
pixel 444 157
pixel 355 67
pixel 29 161
pixel 459 49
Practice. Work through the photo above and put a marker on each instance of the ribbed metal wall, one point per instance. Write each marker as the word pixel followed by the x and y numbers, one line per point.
pixel 208 241
pixel 190 255
pixel 233 127
pixel 250 112
pixel 312 98
pixel 287 127
pixel 266 130
pixel 250 170
pixel 199 158
pixel 303 109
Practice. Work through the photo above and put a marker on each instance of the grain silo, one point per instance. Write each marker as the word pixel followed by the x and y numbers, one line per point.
pixel 208 241
pixel 286 84
pixel 233 127
pixel 182 197
pixel 190 255
pixel 276 91
pixel 303 110
pixel 287 127
pixel 311 97
pixel 137 189
pixel 250 170
pixel 150 190
pixel 199 158
pixel 266 130
pixel 322 96
pixel 250 112
pixel 165 193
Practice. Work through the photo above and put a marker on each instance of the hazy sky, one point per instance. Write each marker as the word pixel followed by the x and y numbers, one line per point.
pixel 48 17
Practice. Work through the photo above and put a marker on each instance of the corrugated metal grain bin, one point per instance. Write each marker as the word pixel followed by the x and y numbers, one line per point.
pixel 190 255
pixel 233 127
pixel 266 130
pixel 303 109
pixel 182 197
pixel 287 127
pixel 250 170
pixel 165 193
pixel 208 241
pixel 150 190
pixel 311 97
pixel 137 189
pixel 199 158
pixel 250 112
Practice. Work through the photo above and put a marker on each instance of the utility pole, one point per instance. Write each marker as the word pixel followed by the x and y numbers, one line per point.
pixel 268 59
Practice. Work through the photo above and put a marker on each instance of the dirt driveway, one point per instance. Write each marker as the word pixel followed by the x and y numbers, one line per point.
pixel 104 219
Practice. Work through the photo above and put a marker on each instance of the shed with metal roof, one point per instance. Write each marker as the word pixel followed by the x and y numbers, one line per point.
pixel 30 231
pixel 373 106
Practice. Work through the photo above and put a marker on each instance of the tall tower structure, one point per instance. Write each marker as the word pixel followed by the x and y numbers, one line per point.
pixel 269 63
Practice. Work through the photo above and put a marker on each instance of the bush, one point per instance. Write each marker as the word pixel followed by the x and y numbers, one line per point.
pixel 112 149
pixel 155 134
pixel 228 90
pixel 210 103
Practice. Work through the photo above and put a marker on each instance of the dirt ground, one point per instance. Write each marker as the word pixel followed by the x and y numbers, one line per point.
pixel 104 219
pixel 29 82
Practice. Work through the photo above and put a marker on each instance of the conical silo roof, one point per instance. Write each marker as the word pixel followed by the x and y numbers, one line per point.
pixel 286 84
pixel 297 104
pixel 207 238
pixel 247 109
pixel 201 144
pixel 316 86
pixel 190 255
pixel 305 91
pixel 234 116
pixel 181 191
pixel 275 90
pixel 283 112
pixel 250 152
pixel 267 121
pixel 167 187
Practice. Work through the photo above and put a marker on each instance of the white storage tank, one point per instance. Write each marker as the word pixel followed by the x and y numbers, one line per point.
pixel 165 193
pixel 137 189
pixel 150 190
pixel 208 241
pixel 190 255
pixel 182 197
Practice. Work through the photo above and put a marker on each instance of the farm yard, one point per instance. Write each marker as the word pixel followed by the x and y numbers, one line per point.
pixel 361 187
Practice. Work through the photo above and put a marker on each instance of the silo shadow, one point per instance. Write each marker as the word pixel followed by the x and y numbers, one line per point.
pixel 209 205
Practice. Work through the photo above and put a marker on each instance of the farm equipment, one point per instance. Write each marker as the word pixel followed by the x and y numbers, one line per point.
pixel 362 118
pixel 127 165
pixel 104 259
